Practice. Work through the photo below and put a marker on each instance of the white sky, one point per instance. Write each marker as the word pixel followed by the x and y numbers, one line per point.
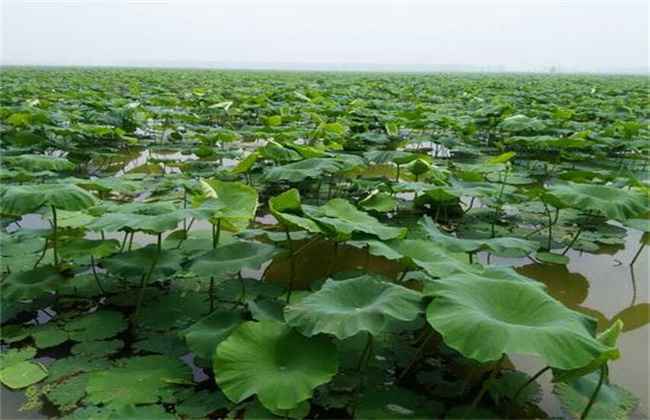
pixel 576 35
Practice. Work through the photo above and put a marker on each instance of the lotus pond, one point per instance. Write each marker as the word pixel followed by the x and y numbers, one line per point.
pixel 257 245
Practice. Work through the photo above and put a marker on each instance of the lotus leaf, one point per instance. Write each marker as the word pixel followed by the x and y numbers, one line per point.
pixel 343 219
pixel 138 380
pixel 18 200
pixel 230 259
pixel 347 307
pixel 510 316
pixel 613 203
pixel 274 362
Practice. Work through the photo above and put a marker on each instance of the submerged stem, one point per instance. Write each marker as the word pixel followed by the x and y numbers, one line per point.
pixel 592 400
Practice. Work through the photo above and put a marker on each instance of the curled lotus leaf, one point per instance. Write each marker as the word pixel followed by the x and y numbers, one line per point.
pixel 484 318
pixel 274 362
pixel 231 258
pixel 347 307
pixel 18 200
pixel 613 203
pixel 343 219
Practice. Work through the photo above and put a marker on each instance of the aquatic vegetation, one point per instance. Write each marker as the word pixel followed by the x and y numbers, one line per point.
pixel 192 244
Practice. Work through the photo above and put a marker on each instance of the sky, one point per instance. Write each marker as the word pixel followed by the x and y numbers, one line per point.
pixel 517 35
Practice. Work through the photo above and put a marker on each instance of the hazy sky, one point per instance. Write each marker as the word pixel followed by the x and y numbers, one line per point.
pixel 579 35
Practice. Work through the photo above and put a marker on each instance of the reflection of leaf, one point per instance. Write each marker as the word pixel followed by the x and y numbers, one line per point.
pixel 567 287
pixel 634 317
pixel 613 402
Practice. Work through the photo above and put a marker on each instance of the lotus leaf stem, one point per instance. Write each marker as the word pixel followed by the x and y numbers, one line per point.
pixel 216 234
pixel 211 292
pixel 636 256
pixel 486 383
pixel 365 355
pixel 55 228
pixel 292 264
pixel 573 240
pixel 40 258
pixel 528 382
pixel 592 400
pixel 417 356
pixel 94 270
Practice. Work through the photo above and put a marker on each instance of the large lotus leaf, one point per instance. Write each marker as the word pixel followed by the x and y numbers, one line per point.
pixel 96 326
pixel 347 307
pixel 613 402
pixel 486 317
pixel 16 355
pixel 233 203
pixel 138 380
pixel 105 185
pixel 25 285
pixel 380 202
pixel 436 261
pixel 344 219
pixel 140 261
pixel 520 124
pixel 204 336
pixel 230 259
pixel 299 171
pixel 22 199
pixel 613 203
pixel 22 374
pixel 37 163
pixel 156 223
pixel 77 248
pixel 275 362
pixel 286 207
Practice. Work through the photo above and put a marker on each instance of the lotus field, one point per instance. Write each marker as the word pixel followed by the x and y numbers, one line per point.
pixel 257 245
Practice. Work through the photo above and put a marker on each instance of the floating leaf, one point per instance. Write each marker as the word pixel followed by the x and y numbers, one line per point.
pixel 274 362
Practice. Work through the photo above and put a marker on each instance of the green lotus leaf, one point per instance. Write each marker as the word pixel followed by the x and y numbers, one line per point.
pixel 347 307
pixel 140 261
pixel 230 259
pixel 48 335
pixel 106 185
pixel 613 203
pixel 508 384
pixel 486 317
pixel 521 123
pixel 380 202
pixel 14 356
pixel 274 362
pixel 31 284
pixel 397 403
pixel 96 326
pixel 200 404
pixel 552 258
pixel 514 247
pixel 138 380
pixel 204 336
pixel 157 223
pixel 344 219
pixel 169 345
pixel 434 260
pixel 286 207
pixel 22 374
pixel 613 402
pixel 233 203
pixel 18 200
pixel 302 170
pixel 97 348
pixel 37 163
pixel 639 224
pixel 78 248
pixel 67 393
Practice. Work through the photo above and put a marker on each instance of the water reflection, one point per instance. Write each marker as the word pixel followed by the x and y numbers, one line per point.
pixel 323 258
